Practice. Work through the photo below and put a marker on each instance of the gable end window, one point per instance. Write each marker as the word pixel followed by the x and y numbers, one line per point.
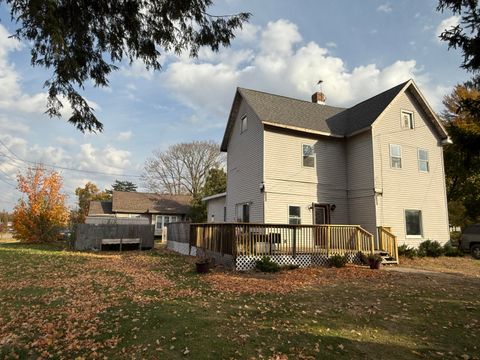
pixel 407 120
pixel 395 156
pixel 243 124
pixel 308 156
pixel 294 215
pixel 413 223
pixel 423 164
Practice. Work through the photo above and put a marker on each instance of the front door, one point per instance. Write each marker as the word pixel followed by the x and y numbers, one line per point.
pixel 321 214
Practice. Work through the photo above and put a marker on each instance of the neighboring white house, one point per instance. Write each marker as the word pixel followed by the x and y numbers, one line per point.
pixel 378 163
pixel 158 209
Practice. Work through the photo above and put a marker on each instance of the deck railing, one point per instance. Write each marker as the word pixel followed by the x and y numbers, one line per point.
pixel 275 239
pixel 387 242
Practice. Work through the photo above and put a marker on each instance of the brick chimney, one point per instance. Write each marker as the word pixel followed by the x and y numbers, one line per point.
pixel 319 98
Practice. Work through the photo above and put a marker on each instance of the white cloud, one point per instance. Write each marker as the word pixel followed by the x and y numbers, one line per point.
pixel 281 64
pixel 446 24
pixel 65 140
pixel 386 8
pixel 12 126
pixel 248 33
pixel 124 135
pixel 12 97
pixel 331 44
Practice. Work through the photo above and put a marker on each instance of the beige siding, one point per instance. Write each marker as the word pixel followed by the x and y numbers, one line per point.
pixel 408 188
pixel 288 182
pixel 215 209
pixel 245 166
pixel 361 198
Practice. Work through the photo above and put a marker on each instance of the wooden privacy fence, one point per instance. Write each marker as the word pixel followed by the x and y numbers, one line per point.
pixel 274 239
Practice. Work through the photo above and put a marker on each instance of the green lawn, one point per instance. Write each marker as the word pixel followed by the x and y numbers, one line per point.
pixel 61 304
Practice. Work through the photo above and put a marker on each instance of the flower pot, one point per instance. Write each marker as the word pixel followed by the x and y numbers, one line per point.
pixel 375 264
pixel 202 267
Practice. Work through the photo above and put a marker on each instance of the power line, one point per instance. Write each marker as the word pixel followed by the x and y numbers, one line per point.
pixel 63 167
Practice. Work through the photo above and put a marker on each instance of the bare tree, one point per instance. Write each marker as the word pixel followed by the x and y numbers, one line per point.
pixel 182 168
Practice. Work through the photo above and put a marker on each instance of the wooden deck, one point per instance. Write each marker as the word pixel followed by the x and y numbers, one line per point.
pixel 280 239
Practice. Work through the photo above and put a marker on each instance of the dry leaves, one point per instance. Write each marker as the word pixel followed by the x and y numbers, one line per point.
pixel 287 281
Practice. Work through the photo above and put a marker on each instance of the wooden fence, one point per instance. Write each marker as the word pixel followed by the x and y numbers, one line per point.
pixel 273 239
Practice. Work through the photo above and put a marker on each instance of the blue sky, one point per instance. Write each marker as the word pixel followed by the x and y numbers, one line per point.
pixel 359 48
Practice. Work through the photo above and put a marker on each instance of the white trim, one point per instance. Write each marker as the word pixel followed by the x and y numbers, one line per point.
pixel 216 196
pixel 418 161
pixel 403 111
pixel 305 130
pixel 313 153
pixel 390 156
pixel 405 224
pixel 288 213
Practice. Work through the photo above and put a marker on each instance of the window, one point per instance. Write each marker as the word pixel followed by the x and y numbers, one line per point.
pixel 308 156
pixel 164 220
pixel 413 222
pixel 423 160
pixel 243 124
pixel 243 212
pixel 395 156
pixel 407 119
pixel 294 215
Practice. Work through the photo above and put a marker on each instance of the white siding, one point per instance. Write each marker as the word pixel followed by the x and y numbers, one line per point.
pixel 288 182
pixel 408 188
pixel 215 209
pixel 245 166
pixel 361 198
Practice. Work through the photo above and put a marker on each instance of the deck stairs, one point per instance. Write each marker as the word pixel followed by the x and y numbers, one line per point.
pixel 387 245
pixel 387 259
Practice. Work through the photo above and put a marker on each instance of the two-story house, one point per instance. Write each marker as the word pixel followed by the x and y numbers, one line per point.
pixel 378 163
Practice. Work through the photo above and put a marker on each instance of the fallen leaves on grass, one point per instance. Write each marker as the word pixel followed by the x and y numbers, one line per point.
pixel 70 300
pixel 287 281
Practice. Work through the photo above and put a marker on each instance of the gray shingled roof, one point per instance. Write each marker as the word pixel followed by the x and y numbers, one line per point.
pixel 100 208
pixel 329 119
pixel 289 111
pixel 140 203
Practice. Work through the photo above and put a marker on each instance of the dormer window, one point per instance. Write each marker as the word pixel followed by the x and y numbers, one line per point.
pixel 243 124
pixel 407 120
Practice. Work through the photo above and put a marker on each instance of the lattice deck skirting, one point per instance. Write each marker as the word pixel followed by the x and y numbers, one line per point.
pixel 247 262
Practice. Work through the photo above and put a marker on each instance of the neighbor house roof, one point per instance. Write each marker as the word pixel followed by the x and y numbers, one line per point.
pixel 216 196
pixel 99 208
pixel 140 203
pixel 300 115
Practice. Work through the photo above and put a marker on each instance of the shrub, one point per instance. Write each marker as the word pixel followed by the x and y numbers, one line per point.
pixel 338 261
pixel 430 248
pixel 363 258
pixel 450 250
pixel 265 264
pixel 408 252
pixel 290 267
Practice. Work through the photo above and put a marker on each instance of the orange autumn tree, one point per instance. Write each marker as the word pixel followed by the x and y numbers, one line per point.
pixel 41 213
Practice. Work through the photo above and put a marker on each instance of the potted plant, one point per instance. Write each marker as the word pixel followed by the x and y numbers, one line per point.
pixel 374 260
pixel 203 264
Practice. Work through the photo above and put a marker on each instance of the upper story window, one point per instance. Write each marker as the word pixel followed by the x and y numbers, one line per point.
pixel 395 156
pixel 243 124
pixel 243 212
pixel 423 164
pixel 294 215
pixel 308 156
pixel 407 120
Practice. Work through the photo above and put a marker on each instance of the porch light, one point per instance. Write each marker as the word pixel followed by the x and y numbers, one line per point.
pixel 333 207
